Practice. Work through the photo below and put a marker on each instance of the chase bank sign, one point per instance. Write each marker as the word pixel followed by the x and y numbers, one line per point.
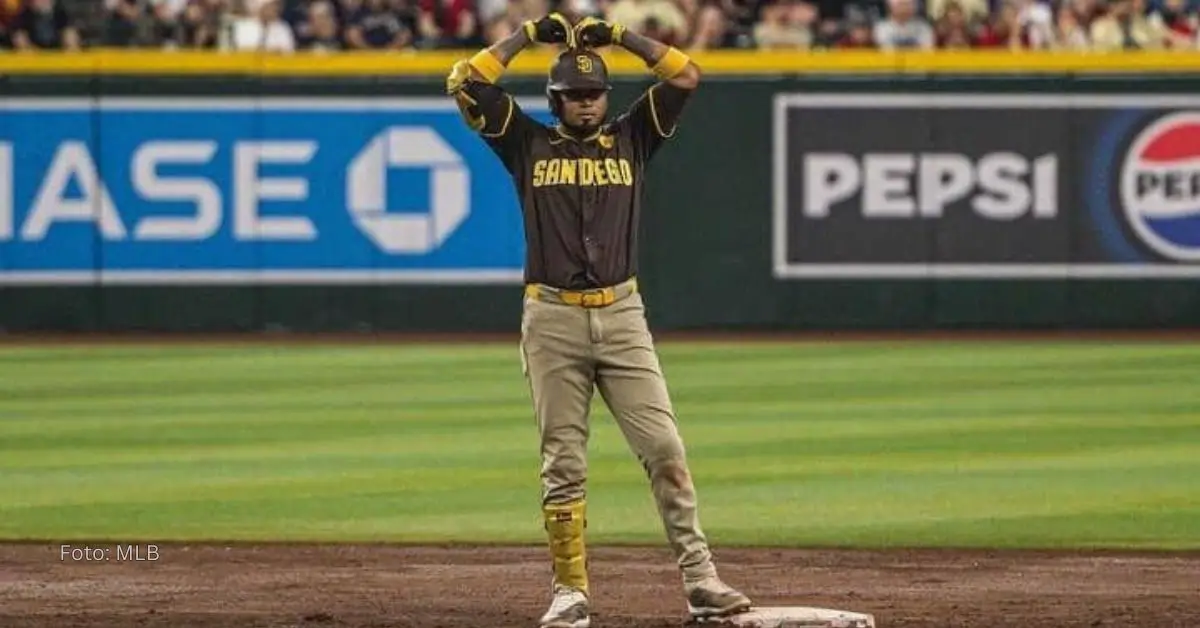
pixel 252 190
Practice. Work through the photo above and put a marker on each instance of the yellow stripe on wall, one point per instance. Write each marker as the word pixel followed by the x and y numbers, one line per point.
pixel 537 63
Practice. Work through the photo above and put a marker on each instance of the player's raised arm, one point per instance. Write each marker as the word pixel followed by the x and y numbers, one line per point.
pixel 653 117
pixel 487 107
pixel 671 65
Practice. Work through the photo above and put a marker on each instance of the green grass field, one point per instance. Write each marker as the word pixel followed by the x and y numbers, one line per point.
pixel 865 444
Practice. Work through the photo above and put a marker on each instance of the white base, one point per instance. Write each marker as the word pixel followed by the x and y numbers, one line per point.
pixel 795 617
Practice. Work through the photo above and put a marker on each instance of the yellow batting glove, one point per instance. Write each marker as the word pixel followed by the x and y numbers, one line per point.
pixel 459 73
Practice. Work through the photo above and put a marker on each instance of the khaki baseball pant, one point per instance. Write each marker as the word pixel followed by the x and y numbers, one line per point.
pixel 568 352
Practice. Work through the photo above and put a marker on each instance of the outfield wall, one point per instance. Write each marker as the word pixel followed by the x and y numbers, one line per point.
pixel 852 191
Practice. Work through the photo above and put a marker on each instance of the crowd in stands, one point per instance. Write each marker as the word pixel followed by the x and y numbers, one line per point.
pixel 294 26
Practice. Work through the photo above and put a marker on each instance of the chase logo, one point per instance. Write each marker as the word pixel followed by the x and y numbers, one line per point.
pixel 366 190
pixel 1160 186
pixel 253 190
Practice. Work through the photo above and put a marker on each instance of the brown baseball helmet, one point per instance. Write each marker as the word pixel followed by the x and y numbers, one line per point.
pixel 578 68
pixel 575 68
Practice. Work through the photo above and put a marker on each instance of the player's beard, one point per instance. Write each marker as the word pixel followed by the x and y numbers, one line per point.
pixel 583 129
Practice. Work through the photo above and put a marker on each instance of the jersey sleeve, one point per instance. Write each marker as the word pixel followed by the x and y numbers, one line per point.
pixel 653 118
pixel 498 119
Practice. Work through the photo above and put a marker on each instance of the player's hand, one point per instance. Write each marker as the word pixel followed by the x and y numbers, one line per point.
pixel 459 74
pixel 594 33
pixel 550 29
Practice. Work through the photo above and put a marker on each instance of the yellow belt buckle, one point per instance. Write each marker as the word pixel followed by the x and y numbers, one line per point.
pixel 600 298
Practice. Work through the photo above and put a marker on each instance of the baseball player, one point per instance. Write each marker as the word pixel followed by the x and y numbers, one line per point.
pixel 583 324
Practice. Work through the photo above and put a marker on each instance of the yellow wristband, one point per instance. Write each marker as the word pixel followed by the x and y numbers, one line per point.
pixel 671 63
pixel 618 31
pixel 488 65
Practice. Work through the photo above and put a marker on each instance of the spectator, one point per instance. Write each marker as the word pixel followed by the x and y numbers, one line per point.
pixel 377 26
pixel 295 13
pixel 407 12
pixel 655 29
pixel 974 11
pixel 957 39
pixel 873 10
pixel 125 18
pixel 138 23
pixel 263 30
pixel 45 24
pixel 1069 33
pixel 952 30
pixel 323 25
pixel 782 28
pixel 573 10
pixel 826 34
pixel 807 17
pixel 1177 23
pixel 1188 6
pixel 198 24
pixel 9 9
pixel 831 10
pixel 448 24
pixel 516 12
pixel 859 34
pixel 691 14
pixel 1036 23
pixel 498 29
pixel 742 16
pixel 712 30
pixel 1002 30
pixel 903 28
pixel 653 18
pixel 488 11
pixel 164 15
pixel 320 32
pixel 1126 27
pixel 1085 11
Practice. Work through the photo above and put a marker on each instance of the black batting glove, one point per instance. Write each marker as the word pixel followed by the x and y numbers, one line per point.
pixel 594 33
pixel 550 29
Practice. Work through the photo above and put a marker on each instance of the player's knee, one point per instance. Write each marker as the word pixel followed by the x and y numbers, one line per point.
pixel 669 467
pixel 666 449
pixel 674 472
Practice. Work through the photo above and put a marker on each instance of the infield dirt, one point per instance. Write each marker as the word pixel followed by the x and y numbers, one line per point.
pixel 244 586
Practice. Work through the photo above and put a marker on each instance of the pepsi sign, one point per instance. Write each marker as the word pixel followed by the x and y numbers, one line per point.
pixel 252 190
pixel 986 186
pixel 1160 186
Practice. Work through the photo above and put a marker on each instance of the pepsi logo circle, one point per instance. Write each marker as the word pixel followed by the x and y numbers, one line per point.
pixel 1160 186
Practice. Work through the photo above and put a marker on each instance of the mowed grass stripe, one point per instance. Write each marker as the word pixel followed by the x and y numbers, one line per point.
pixel 859 443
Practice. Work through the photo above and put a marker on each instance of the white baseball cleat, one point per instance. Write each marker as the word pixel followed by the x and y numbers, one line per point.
pixel 568 609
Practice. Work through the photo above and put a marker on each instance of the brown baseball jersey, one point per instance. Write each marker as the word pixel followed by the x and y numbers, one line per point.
pixel 581 198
